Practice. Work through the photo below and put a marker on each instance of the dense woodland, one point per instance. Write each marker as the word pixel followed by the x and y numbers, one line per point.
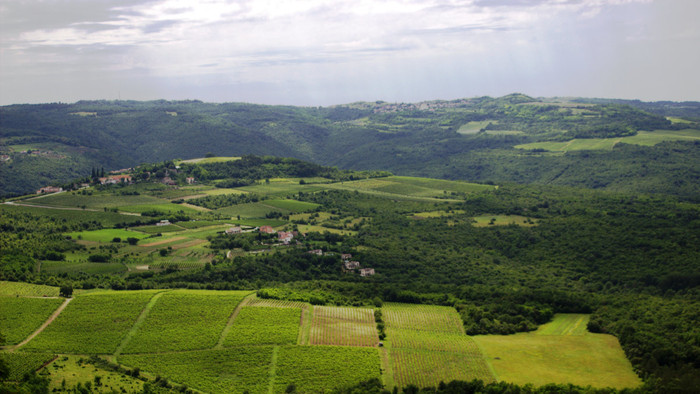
pixel 423 139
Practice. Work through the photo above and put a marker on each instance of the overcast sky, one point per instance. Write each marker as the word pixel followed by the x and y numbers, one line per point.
pixel 314 52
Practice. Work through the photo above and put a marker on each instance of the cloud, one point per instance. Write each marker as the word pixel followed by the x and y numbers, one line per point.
pixel 419 44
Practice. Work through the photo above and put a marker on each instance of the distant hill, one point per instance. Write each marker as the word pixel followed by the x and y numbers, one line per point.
pixel 470 139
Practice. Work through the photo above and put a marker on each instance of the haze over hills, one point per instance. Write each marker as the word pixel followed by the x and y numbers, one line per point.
pixel 602 143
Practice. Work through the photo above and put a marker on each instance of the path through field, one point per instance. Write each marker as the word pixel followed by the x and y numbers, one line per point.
pixel 138 323
pixel 229 324
pixel 43 326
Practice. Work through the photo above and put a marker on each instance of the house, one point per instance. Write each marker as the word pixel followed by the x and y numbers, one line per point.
pixel 345 256
pixel 351 265
pixel 317 252
pixel 234 230
pixel 164 222
pixel 285 237
pixel 114 179
pixel 190 180
pixel 266 229
pixel 366 271
pixel 49 189
pixel 168 181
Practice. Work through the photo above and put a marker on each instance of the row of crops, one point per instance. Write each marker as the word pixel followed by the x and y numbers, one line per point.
pixel 230 341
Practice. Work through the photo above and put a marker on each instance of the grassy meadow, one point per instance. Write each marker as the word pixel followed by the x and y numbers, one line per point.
pixel 646 138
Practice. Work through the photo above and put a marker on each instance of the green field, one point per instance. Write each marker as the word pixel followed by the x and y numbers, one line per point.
pixel 20 316
pixel 95 201
pixel 646 138
pixel 175 322
pixel 503 220
pixel 204 160
pixel 257 325
pixel 292 205
pixel 75 370
pixel 92 323
pixel 167 208
pixel 22 363
pixel 473 127
pixel 59 267
pixel 560 352
pixel 319 368
pixel 422 317
pixel 169 228
pixel 332 325
pixel 214 371
pixel 106 219
pixel 106 235
pixel 27 289
pixel 247 211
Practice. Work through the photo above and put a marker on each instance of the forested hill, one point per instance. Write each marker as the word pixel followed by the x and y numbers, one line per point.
pixel 623 146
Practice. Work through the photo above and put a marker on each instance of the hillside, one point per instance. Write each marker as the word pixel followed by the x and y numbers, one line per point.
pixel 468 139
pixel 500 266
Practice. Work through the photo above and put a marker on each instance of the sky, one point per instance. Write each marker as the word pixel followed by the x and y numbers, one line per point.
pixel 320 53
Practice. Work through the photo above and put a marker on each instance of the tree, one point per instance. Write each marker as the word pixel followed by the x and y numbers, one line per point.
pixel 66 291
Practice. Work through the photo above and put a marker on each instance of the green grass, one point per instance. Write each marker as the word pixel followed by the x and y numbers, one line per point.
pixel 95 201
pixel 27 289
pixel 473 127
pixel 438 214
pixel 20 316
pixel 213 371
pixel 646 138
pixel 185 320
pixel 106 235
pixel 322 368
pixel 543 357
pixel 168 208
pixel 58 267
pixel 503 220
pixel 260 222
pixel 106 219
pixel 198 223
pixel 22 363
pixel 247 211
pixel 264 326
pixel 204 160
pixel 565 324
pixel 307 228
pixel 292 205
pixel 158 229
pixel 92 323
pixel 74 370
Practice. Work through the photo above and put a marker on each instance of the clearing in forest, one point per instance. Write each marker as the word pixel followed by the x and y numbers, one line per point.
pixel 559 352
pixel 345 326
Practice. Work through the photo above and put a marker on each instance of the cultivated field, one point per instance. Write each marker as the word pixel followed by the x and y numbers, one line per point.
pixel 92 323
pixel 260 325
pixel 344 326
pixel 647 138
pixel 560 352
pixel 21 316
pixel 503 220
pixel 422 317
pixel 106 235
pixel 175 322
pixel 22 363
pixel 27 289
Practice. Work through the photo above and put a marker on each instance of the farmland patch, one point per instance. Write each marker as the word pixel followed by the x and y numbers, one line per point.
pixel 257 325
pixel 20 316
pixel 344 326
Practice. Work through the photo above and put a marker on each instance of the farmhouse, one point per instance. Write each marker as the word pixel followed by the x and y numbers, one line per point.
pixel 114 179
pixel 317 252
pixel 366 271
pixel 285 237
pixel 49 189
pixel 351 265
pixel 168 181
pixel 345 256
pixel 234 230
pixel 190 180
pixel 164 222
pixel 266 229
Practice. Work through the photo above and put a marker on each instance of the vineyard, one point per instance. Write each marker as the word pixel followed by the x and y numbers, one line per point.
pixel 19 317
pixel 276 303
pixel 239 370
pixel 92 323
pixel 27 290
pixel 22 363
pixel 175 322
pixel 343 326
pixel 258 325
pixel 428 345
pixel 316 368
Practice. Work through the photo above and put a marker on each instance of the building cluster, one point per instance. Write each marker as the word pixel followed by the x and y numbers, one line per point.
pixel 49 189
pixel 115 179
pixel 348 263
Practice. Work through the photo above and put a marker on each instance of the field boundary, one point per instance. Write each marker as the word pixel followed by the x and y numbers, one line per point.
pixel 41 328
pixel 272 375
pixel 229 323
pixel 305 329
pixel 137 324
